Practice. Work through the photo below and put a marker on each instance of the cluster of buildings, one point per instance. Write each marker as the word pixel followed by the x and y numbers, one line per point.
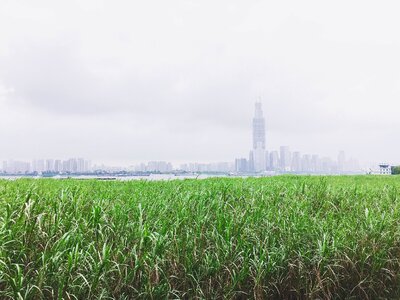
pixel 259 161
pixel 262 161
pixel 167 167
pixel 284 161
pixel 219 167
pixel 154 166
pixel 72 165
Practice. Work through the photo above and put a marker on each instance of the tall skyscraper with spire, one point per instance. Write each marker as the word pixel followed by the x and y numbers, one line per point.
pixel 258 128
pixel 257 155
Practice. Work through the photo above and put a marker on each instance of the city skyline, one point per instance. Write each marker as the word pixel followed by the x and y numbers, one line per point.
pixel 262 160
pixel 157 82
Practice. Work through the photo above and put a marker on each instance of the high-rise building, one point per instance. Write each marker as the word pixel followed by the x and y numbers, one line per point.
pixel 241 165
pixel 38 166
pixel 267 161
pixel 251 162
pixel 274 160
pixel 57 165
pixel 316 164
pixel 306 163
pixel 259 139
pixel 159 166
pixel 258 128
pixel 88 165
pixel 327 166
pixel 16 167
pixel 80 165
pixel 296 162
pixel 286 160
pixel 49 165
pixel 259 160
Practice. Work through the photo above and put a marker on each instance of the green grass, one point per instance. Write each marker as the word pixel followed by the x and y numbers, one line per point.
pixel 279 237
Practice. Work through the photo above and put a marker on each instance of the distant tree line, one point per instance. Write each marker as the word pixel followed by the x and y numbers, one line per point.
pixel 396 170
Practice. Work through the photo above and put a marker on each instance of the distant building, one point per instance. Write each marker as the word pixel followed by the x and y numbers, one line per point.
pixel 267 161
pixel 316 164
pixel 16 167
pixel 49 165
pixel 285 158
pixel 306 163
pixel 259 162
pixel 57 165
pixel 142 168
pixel 80 165
pixel 38 166
pixel 159 166
pixel 251 162
pixel 328 166
pixel 241 165
pixel 385 169
pixel 274 160
pixel 258 127
pixel 296 162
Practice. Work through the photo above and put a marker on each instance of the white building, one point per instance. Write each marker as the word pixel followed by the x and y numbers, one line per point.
pixel 385 169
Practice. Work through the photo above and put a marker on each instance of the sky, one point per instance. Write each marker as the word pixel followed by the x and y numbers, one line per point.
pixel 130 81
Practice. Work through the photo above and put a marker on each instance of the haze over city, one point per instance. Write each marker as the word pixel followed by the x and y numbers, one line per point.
pixel 176 81
pixel 198 149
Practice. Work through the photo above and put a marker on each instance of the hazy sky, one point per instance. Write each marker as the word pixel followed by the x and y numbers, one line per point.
pixel 128 81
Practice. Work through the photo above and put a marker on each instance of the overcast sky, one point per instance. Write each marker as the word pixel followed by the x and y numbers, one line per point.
pixel 130 81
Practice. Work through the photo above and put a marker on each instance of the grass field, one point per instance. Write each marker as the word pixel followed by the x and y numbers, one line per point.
pixel 279 237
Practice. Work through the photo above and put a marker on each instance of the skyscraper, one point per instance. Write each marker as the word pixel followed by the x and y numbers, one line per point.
pixel 259 139
pixel 296 162
pixel 251 162
pixel 49 165
pixel 241 165
pixel 274 160
pixel 258 128
pixel 285 158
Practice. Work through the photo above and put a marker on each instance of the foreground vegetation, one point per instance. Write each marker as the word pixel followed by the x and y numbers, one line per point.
pixel 280 237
